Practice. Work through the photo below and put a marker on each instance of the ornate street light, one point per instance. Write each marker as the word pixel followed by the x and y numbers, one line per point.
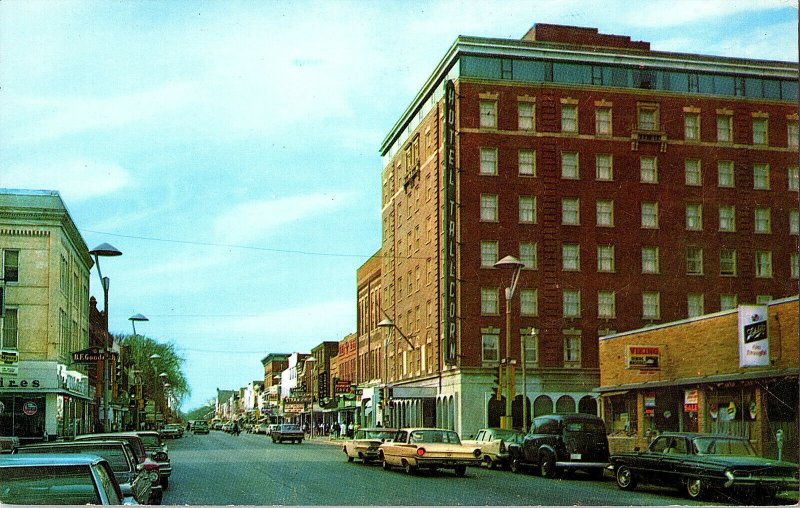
pixel 510 262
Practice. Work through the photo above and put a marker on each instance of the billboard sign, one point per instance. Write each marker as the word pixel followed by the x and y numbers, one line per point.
pixel 753 336
pixel 643 357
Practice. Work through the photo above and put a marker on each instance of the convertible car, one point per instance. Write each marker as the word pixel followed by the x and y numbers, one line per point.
pixel 702 463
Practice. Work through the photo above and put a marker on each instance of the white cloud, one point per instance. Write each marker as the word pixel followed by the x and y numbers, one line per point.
pixel 75 180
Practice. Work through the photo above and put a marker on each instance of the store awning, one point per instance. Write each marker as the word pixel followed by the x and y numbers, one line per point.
pixel 691 381
pixel 613 394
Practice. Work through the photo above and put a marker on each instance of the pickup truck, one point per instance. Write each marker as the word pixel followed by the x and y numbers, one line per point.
pixel 287 432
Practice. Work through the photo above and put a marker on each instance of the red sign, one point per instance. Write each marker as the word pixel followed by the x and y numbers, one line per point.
pixel 30 408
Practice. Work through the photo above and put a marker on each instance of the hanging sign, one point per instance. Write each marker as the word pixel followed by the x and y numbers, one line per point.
pixel 753 336
pixel 9 362
pixel 690 398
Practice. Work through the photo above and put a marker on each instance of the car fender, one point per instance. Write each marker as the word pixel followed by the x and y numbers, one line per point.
pixel 545 449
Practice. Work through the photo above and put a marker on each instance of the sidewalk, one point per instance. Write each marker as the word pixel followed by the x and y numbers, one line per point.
pixel 325 440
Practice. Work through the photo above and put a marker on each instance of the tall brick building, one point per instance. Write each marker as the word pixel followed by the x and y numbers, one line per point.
pixel 638 187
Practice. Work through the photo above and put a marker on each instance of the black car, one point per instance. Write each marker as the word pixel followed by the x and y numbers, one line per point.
pixel 702 463
pixel 563 442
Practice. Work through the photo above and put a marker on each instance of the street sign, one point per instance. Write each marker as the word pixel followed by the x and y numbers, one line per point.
pixel 92 354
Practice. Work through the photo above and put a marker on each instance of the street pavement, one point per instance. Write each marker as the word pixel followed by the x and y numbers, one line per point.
pixel 222 469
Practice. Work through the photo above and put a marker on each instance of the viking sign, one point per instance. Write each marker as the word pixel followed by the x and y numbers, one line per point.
pixel 451 321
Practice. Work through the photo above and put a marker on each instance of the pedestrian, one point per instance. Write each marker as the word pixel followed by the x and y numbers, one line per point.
pixel 235 430
pixel 350 429
pixel 336 429
pixel 378 424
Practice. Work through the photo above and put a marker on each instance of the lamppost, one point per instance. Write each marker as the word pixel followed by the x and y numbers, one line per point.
pixel 105 250
pixel 133 319
pixel 153 358
pixel 510 262
pixel 389 324
pixel 311 360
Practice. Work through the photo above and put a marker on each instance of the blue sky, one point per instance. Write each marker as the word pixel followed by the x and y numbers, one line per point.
pixel 230 149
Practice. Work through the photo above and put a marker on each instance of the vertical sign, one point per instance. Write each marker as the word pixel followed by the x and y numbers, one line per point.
pixel 451 323
pixel 753 336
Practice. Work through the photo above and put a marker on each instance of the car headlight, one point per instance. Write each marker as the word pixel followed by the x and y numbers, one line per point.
pixel 730 477
pixel 160 457
pixel 153 476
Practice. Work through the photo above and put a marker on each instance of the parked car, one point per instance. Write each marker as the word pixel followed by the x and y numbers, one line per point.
pixel 563 442
pixel 260 428
pixel 172 431
pixel 157 451
pixel 133 480
pixel 73 479
pixel 226 427
pixel 428 448
pixel 140 453
pixel 272 428
pixel 287 432
pixel 8 443
pixel 702 463
pixel 365 443
pixel 200 427
pixel 493 443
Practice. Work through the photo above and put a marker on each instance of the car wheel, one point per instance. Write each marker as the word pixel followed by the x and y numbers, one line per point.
pixel 490 464
pixel 625 479
pixel 695 488
pixel 515 466
pixel 386 465
pixel 409 469
pixel 547 465
pixel 460 470
pixel 349 458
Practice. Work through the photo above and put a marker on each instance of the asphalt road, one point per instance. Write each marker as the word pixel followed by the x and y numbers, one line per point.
pixel 221 469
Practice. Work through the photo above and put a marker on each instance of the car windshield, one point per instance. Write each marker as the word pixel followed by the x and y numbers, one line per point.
pixel 508 435
pixel 589 426
pixel 290 428
pixel 722 446
pixel 150 440
pixel 48 485
pixel 434 436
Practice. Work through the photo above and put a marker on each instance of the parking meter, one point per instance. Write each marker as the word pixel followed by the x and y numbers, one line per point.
pixel 779 442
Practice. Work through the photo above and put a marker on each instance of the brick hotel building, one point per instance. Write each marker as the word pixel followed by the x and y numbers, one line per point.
pixel 638 187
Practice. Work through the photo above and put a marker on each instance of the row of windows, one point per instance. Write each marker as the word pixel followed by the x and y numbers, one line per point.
pixel 606 75
pixel 490 348
pixel 605 214
pixel 650 259
pixel 648 169
pixel 606 303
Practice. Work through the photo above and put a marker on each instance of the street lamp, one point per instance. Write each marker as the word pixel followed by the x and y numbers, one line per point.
pixel 311 360
pixel 105 250
pixel 388 323
pixel 510 262
pixel 133 319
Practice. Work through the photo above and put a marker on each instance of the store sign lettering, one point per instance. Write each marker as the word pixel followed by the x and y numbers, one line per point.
pixel 21 383
pixel 450 304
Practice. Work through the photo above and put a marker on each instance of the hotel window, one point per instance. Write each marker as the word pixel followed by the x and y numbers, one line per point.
pixel 694 261
pixel 605 258
pixel 490 347
pixel 727 218
pixel 694 175
pixel 572 350
pixel 650 215
pixel 570 257
pixel 725 174
pixel 527 162
pixel 648 117
pixel 569 166
pixel 794 222
pixel 527 209
pixel 694 304
pixel 728 302
pixel 763 299
pixel 10 265
pixel 648 169
pixel 651 306
pixel 650 262
pixel 694 217
pixel 795 266
pixel 572 303
pixel 569 118
pixel 606 304
pixel 525 115
pixel 761 176
pixel 794 179
pixel 488 254
pixel 763 264
pixel 605 213
pixel 691 126
pixel 528 255
pixel 10 337
pixel 602 121
pixel 489 208
pixel 604 167
pixel 793 134
pixel 570 211
pixel 532 348
pixel 727 262
pixel 488 161
pixel 529 302
pixel 725 128
pixel 762 220
pixel 489 302
pixel 489 114
pixel 760 131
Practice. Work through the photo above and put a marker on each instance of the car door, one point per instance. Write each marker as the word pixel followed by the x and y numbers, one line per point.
pixel 655 465
pixel 393 451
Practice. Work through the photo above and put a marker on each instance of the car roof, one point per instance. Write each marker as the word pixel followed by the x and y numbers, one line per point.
pixel 147 433
pixel 379 429
pixel 413 429
pixel 50 459
pixel 693 435
pixel 77 443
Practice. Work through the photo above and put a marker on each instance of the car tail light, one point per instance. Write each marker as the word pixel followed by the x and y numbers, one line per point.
pixel 420 452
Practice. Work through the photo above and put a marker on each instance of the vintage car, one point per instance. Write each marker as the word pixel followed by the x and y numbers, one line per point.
pixel 365 443
pixel 8 443
pixel 133 480
pixel 702 463
pixel 493 443
pixel 72 479
pixel 287 432
pixel 199 427
pixel 172 431
pixel 561 442
pixel 157 451
pixel 428 448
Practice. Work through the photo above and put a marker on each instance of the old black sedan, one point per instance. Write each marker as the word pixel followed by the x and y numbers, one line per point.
pixel 702 463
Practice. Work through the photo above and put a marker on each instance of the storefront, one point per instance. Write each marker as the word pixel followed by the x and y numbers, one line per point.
pixel 733 372
pixel 44 400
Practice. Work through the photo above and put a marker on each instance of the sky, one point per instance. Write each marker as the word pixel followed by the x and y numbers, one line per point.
pixel 230 149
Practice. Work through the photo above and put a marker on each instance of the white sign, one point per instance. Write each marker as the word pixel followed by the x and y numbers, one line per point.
pixel 753 336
